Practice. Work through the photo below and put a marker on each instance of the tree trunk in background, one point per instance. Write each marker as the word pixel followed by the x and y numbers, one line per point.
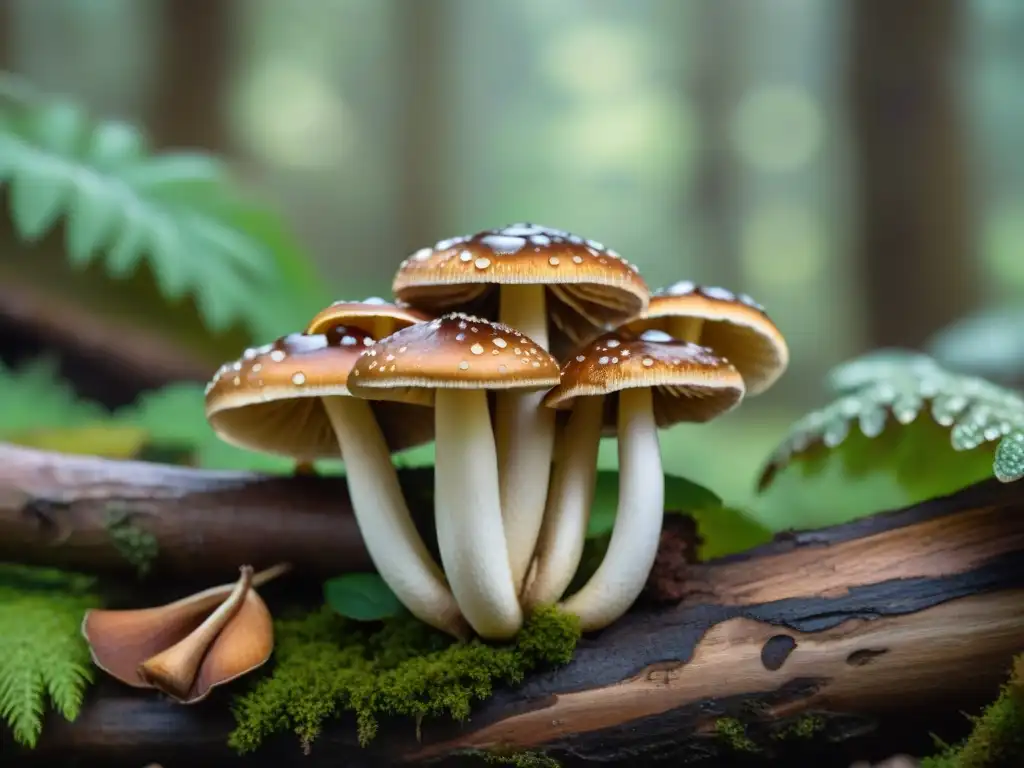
pixel 715 87
pixel 426 104
pixel 911 168
pixel 195 66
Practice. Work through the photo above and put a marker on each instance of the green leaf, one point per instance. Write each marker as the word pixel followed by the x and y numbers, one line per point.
pixel 912 432
pixel 362 597
pixel 726 531
pixel 179 213
pixel 681 495
pixel 42 653
pixel 33 396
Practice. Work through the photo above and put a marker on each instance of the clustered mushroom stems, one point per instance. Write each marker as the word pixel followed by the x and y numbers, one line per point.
pixel 470 534
pixel 621 576
pixel 571 496
pixel 525 434
pixel 392 541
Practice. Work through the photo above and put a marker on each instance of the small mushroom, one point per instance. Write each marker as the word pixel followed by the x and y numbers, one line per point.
pixel 451 363
pixel 732 325
pixel 658 382
pixel 186 648
pixel 552 286
pixel 292 398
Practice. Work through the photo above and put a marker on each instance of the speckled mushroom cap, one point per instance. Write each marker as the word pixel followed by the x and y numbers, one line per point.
pixel 735 327
pixel 690 383
pixel 591 287
pixel 374 315
pixel 456 351
pixel 269 399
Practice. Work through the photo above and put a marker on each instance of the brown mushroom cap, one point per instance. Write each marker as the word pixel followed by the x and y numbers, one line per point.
pixel 690 383
pixel 591 287
pixel 456 351
pixel 374 315
pixel 735 327
pixel 269 399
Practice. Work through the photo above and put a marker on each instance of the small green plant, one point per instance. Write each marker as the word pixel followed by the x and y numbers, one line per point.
pixel 42 653
pixel 326 666
pixel 136 545
pixel 362 597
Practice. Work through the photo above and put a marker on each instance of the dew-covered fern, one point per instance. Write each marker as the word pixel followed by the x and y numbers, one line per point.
pixel 119 202
pixel 43 656
pixel 892 386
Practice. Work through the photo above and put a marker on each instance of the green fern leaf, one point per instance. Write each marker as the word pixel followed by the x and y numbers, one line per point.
pixel 178 213
pixel 42 653
pixel 876 393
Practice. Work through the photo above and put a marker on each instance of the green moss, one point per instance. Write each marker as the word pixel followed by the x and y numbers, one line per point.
pixel 804 727
pixel 997 738
pixel 521 759
pixel 735 734
pixel 326 666
pixel 137 546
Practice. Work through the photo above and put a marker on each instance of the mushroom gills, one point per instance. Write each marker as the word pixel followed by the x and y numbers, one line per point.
pixel 570 499
pixel 395 546
pixel 468 514
pixel 525 435
pixel 620 578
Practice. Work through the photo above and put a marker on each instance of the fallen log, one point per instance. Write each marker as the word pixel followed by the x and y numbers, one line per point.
pixel 859 638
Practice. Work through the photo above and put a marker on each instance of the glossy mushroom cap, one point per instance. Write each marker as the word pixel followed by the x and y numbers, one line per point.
pixel 690 384
pixel 456 351
pixel 591 287
pixel 269 399
pixel 375 316
pixel 735 327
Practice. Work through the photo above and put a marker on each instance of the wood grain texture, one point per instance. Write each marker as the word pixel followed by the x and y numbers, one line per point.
pixel 868 626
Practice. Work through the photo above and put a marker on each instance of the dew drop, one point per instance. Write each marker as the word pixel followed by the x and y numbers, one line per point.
pixel 298 379
pixel 499 342
pixel 477 349
pixel 464 366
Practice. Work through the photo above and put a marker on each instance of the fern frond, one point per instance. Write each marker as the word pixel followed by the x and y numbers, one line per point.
pixel 42 652
pixel 178 213
pixel 876 391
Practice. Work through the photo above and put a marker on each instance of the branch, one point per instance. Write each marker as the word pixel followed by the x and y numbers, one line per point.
pixel 853 631
pixel 58 510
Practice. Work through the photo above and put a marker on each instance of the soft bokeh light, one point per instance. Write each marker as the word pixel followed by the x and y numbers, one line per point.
pixel 777 128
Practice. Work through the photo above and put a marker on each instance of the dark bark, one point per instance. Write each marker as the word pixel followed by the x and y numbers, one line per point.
pixel 911 167
pixel 871 627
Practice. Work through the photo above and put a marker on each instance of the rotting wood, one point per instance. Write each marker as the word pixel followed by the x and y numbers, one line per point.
pixel 911 612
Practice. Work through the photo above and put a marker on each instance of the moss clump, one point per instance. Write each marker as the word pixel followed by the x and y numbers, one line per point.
pixel 735 734
pixel 997 738
pixel 326 665
pixel 521 759
pixel 804 727
pixel 137 546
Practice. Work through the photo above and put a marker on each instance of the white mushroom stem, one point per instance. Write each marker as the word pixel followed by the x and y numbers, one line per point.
pixel 569 502
pixel 395 546
pixel 619 579
pixel 467 511
pixel 685 328
pixel 525 433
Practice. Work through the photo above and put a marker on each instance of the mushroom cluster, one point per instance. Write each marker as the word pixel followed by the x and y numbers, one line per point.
pixel 489 337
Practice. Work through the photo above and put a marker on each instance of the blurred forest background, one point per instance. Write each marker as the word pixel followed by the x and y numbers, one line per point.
pixel 855 167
